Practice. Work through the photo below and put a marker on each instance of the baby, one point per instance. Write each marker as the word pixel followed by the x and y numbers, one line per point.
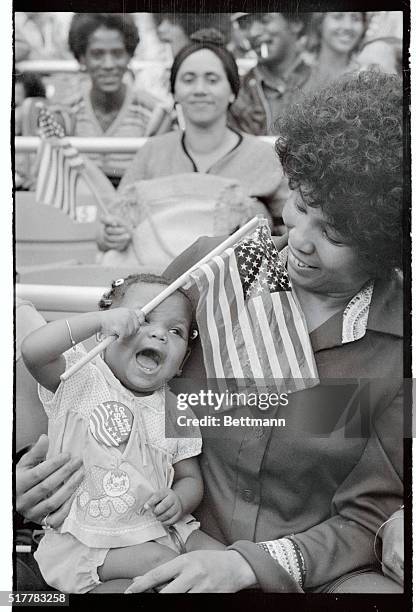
pixel 131 512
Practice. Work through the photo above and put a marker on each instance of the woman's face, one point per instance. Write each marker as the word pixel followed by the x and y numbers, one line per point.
pixel 341 32
pixel 319 259
pixel 202 88
pixel 270 30
pixel 106 59
pixel 172 34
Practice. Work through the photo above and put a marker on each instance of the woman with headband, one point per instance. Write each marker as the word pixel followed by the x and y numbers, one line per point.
pixel 205 82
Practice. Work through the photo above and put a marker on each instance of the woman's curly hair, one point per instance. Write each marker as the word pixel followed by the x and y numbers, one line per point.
pixel 342 149
pixel 85 24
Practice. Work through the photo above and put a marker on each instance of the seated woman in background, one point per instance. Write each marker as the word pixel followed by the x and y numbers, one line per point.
pixel 104 43
pixel 204 81
pixel 173 32
pixel 334 37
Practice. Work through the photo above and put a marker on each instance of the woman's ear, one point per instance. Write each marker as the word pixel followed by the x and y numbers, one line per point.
pixel 232 98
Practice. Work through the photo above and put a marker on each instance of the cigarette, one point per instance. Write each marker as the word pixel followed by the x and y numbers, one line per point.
pixel 264 50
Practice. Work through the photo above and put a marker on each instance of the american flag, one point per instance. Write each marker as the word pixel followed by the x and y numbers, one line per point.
pixel 251 327
pixel 60 166
pixel 101 426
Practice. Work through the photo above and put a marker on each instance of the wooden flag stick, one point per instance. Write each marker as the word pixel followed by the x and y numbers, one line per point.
pixel 181 280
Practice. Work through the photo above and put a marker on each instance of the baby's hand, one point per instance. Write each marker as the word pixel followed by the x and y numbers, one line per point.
pixel 121 322
pixel 166 505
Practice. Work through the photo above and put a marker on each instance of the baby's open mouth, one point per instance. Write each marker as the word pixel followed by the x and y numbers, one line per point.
pixel 149 359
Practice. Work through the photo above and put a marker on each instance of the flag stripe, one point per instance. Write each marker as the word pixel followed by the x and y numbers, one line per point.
pixel 250 344
pixel 45 152
pixel 228 326
pixel 269 345
pixel 287 342
pixel 60 186
pixel 201 316
pixel 303 335
pixel 59 167
pixel 51 172
pixel 211 327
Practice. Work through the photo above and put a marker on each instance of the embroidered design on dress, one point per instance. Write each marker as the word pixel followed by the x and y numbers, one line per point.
pixel 355 317
pixel 110 490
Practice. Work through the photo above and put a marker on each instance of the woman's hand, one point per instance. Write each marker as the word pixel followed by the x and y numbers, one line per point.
pixel 393 547
pixel 121 322
pixel 114 234
pixel 44 488
pixel 201 571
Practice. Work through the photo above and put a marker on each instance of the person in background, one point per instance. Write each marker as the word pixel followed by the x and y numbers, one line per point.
pixel 40 35
pixel 26 85
pixel 104 43
pixel 204 82
pixel 268 88
pixel 175 29
pixel 382 48
pixel 333 38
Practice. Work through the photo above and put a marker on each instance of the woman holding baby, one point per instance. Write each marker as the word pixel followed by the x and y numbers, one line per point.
pixel 299 508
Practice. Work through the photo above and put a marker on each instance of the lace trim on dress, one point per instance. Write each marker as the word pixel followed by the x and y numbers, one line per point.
pixel 355 317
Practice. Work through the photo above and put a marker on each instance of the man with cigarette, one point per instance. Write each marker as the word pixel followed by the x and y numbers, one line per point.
pixel 280 71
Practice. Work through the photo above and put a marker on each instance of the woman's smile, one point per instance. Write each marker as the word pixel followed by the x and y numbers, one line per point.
pixel 298 263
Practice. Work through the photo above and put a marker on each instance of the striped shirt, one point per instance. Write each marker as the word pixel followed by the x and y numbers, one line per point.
pixel 140 115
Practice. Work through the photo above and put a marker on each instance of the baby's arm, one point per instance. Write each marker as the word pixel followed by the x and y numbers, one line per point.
pixel 43 349
pixel 169 505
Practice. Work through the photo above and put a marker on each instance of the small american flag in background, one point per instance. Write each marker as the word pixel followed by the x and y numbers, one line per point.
pixel 250 324
pixel 60 166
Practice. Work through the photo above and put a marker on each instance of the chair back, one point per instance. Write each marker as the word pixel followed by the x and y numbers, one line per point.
pixel 44 234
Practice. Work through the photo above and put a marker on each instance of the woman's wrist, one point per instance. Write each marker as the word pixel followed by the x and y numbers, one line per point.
pixel 270 576
pixel 245 576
